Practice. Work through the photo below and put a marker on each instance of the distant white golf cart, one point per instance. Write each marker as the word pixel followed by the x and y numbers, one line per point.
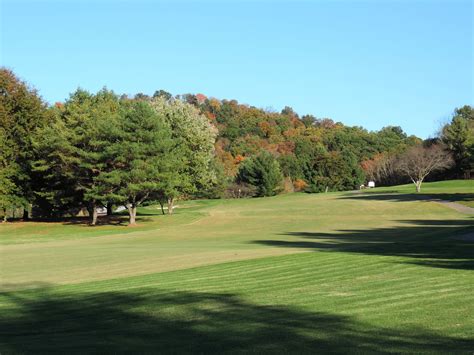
pixel 370 185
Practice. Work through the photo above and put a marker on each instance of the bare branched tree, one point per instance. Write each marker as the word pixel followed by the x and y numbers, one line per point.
pixel 419 161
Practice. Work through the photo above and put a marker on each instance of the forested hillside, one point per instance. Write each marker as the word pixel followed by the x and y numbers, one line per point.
pixel 316 154
pixel 104 150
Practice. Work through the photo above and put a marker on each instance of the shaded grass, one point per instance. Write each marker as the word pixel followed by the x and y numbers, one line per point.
pixel 446 244
pixel 304 303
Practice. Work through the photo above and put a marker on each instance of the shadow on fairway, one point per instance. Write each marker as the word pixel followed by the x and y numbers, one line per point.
pixel 149 320
pixel 118 219
pixel 404 197
pixel 436 243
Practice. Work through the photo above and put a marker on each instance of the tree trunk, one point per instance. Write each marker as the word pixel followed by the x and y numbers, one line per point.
pixel 162 208
pixel 170 205
pixel 93 214
pixel 418 185
pixel 25 214
pixel 132 213
pixel 110 209
pixel 94 217
pixel 4 216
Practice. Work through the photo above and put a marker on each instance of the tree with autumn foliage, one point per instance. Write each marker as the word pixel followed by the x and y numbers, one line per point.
pixel 22 112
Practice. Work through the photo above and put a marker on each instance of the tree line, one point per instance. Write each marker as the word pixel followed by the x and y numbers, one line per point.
pixel 450 155
pixel 97 150
pixel 105 150
pixel 318 154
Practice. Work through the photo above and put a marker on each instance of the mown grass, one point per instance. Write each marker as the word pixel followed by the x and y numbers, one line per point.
pixel 299 273
pixel 305 303
pixel 148 218
pixel 460 191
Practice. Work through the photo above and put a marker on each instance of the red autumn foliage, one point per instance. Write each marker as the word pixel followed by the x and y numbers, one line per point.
pixel 239 158
pixel 201 98
pixel 210 116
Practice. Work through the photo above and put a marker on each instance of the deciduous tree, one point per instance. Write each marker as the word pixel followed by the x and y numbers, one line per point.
pixel 22 112
pixel 419 161
pixel 194 137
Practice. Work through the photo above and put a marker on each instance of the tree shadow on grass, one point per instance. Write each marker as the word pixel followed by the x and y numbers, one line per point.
pixel 404 197
pixel 116 219
pixel 151 321
pixel 119 220
pixel 436 243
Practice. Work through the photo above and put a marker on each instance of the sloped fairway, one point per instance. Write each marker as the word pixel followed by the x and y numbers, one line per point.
pixel 330 273
pixel 459 191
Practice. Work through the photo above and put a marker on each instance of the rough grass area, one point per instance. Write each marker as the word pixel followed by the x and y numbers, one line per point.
pixel 299 273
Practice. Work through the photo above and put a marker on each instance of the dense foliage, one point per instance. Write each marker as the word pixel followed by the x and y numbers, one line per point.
pixel 21 113
pixel 105 150
pixel 262 171
pixel 315 154
pixel 458 135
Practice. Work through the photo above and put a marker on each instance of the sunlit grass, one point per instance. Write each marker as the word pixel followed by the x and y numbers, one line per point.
pixel 336 272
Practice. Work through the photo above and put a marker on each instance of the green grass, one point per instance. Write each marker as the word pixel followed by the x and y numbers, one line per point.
pixel 149 218
pixel 299 273
pixel 460 191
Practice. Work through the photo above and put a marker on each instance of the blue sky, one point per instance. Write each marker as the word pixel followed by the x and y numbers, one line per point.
pixel 366 63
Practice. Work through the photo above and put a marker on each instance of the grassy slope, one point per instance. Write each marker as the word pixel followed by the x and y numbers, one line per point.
pixel 460 191
pixel 381 275
pixel 149 218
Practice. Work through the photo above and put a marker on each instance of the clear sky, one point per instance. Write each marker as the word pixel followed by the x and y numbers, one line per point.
pixel 367 63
